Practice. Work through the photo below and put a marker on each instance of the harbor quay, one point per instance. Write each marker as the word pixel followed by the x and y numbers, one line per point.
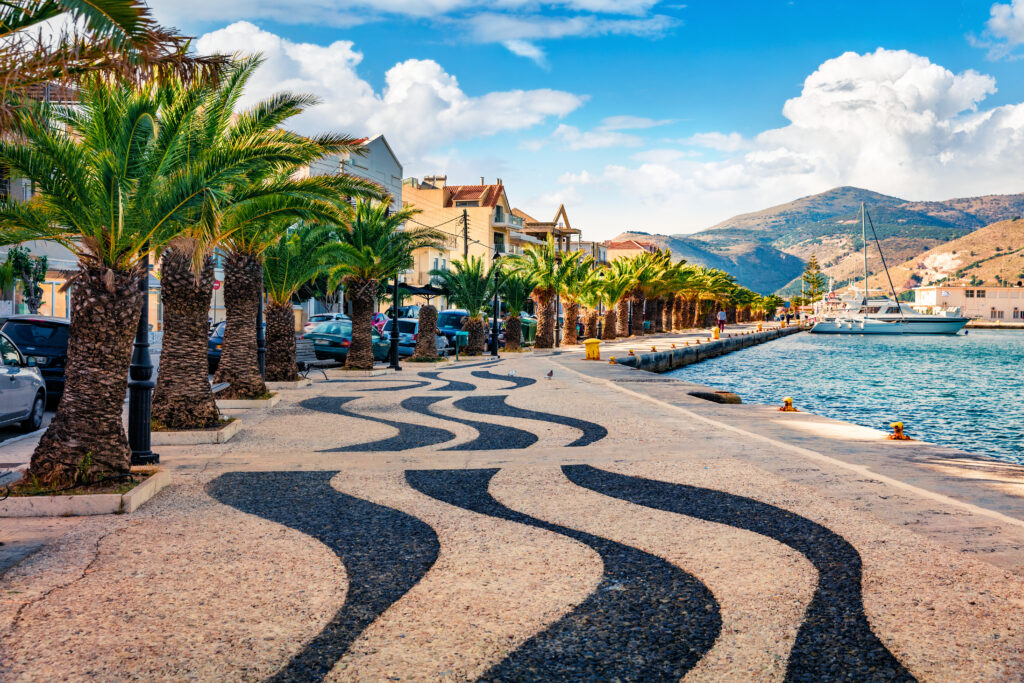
pixel 536 516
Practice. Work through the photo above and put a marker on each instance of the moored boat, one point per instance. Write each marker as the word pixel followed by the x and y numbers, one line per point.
pixel 857 325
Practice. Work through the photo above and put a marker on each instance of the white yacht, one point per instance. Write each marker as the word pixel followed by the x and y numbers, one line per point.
pixel 883 315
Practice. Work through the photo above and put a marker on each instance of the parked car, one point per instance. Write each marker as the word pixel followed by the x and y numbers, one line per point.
pixel 450 322
pixel 22 388
pixel 408 334
pixel 44 339
pixel 319 318
pixel 213 346
pixel 332 340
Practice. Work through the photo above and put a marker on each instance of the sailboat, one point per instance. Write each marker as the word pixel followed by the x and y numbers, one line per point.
pixel 885 315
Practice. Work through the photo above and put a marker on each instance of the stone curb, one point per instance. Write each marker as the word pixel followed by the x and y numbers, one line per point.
pixel 298 384
pixel 191 437
pixel 248 404
pixel 376 372
pixel 80 506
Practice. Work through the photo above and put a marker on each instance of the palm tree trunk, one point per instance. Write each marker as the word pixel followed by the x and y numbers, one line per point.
pixel 426 344
pixel 623 316
pixel 610 329
pixel 362 294
pixel 679 313
pixel 730 315
pixel 590 323
pixel 239 366
pixel 666 312
pixel 281 343
pixel 545 323
pixel 658 324
pixel 477 329
pixel 183 398
pixel 513 333
pixel 572 318
pixel 86 438
pixel 638 313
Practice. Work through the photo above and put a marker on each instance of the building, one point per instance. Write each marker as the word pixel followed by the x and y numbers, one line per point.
pixel 974 301
pixel 628 249
pixel 477 220
pixel 597 250
pixel 558 229
pixel 378 165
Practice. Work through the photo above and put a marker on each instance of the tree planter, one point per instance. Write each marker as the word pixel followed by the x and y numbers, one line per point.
pixel 248 404
pixel 86 504
pixel 297 384
pixel 345 373
pixel 192 437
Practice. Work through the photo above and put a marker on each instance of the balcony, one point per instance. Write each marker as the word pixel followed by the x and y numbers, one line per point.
pixel 507 219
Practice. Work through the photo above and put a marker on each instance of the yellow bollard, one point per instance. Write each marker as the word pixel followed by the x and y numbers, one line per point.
pixel 653 349
pixel 593 347
pixel 787 406
pixel 631 352
pixel 673 346
pixel 716 334
pixel 897 432
pixel 759 327
pixel 611 361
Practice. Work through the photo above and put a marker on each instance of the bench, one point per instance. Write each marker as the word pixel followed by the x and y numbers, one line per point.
pixel 306 360
pixel 219 387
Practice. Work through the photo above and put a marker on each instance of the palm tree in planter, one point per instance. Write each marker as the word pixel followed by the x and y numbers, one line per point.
pixel 590 298
pixel 374 247
pixel 576 269
pixel 543 263
pixel 614 288
pixel 299 256
pixel 624 270
pixel 426 343
pixel 516 288
pixel 111 188
pixel 470 285
pixel 217 131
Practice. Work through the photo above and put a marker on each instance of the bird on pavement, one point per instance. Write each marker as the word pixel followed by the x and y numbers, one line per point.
pixel 551 373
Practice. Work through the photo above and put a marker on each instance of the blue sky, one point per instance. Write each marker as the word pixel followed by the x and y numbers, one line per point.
pixel 658 116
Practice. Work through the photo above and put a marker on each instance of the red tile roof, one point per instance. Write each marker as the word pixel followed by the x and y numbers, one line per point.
pixel 487 195
pixel 631 244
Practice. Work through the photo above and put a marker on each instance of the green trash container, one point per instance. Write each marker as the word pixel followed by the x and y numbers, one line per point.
pixel 529 327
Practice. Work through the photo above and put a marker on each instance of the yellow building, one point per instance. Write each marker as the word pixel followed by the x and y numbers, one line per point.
pixel 476 219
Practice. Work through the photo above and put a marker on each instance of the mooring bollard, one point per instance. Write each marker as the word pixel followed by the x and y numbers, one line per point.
pixel 611 360
pixel 787 406
pixel 593 347
pixel 631 352
pixel 897 432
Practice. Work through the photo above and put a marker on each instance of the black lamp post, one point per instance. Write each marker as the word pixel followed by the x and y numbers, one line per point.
pixel 558 305
pixel 497 305
pixel 393 354
pixel 141 384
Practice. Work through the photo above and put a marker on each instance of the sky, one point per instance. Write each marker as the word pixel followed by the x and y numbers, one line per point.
pixel 661 117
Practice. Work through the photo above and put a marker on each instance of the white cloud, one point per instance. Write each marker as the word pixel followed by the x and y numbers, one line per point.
pixel 631 123
pixel 889 120
pixel 1004 30
pixel 525 48
pixel 420 109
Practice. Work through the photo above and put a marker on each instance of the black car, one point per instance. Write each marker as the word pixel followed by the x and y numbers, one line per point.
pixel 332 340
pixel 43 339
pixel 213 346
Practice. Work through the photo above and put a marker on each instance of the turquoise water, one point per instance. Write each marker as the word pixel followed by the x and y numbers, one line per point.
pixel 962 391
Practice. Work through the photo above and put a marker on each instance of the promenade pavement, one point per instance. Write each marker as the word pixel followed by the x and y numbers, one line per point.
pixel 537 517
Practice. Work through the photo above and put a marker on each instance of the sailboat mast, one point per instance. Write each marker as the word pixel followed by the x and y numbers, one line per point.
pixel 864 239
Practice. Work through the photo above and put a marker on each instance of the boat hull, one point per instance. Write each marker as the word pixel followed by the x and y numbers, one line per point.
pixel 933 326
pixel 857 327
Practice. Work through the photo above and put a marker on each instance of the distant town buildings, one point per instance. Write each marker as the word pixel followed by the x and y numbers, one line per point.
pixel 974 301
pixel 628 249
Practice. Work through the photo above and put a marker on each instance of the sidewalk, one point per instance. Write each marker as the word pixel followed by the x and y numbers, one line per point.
pixel 482 519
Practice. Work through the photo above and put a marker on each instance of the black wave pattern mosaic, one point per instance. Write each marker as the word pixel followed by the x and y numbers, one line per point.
pixel 385 552
pixel 647 620
pixel 400 387
pixel 835 641
pixel 497 405
pixel 490 437
pixel 518 382
pixel 449 384
pixel 409 435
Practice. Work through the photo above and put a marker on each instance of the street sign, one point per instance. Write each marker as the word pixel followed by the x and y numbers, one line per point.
pixel 216 284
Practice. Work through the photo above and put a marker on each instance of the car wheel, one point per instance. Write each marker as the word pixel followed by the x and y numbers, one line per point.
pixel 35 418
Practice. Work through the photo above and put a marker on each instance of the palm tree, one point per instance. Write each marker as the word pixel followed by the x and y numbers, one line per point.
pixel 543 263
pixel 117 37
pixel 217 133
pixel 516 288
pixel 591 296
pixel 623 270
pixel 470 285
pixel 374 247
pixel 299 256
pixel 426 328
pixel 110 190
pixel 574 279
pixel 613 291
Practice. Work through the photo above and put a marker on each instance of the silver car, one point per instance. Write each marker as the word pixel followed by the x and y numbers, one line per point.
pixel 22 390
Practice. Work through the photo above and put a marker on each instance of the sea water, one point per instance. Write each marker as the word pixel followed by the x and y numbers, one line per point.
pixel 962 391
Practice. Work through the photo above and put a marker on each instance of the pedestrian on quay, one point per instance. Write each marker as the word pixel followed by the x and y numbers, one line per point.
pixel 721 321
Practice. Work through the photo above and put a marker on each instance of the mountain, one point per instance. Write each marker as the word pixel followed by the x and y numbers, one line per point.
pixel 991 255
pixel 762 244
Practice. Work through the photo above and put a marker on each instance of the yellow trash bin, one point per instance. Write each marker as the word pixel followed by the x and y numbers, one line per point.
pixel 593 349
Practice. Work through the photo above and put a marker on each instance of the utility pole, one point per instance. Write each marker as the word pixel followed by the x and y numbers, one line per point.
pixel 465 234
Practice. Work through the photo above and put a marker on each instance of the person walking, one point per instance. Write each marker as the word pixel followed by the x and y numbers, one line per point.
pixel 721 321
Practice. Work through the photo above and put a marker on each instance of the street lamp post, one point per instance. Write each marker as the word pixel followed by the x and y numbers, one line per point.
pixel 497 305
pixel 558 305
pixel 393 354
pixel 141 384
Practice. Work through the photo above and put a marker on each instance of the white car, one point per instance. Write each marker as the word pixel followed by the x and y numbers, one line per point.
pixel 22 389
pixel 319 318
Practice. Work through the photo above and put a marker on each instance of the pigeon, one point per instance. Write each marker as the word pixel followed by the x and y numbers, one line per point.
pixel 551 373
pixel 510 373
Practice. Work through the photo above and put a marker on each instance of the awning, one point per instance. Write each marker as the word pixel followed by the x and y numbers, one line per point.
pixel 426 290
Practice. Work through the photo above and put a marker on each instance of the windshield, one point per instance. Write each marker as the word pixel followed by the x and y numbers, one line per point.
pixel 338 328
pixel 404 327
pixel 320 318
pixel 450 319
pixel 30 333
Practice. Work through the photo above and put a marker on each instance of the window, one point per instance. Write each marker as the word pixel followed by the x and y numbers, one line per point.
pixel 466 203
pixel 499 214
pixel 499 242
pixel 32 333
pixel 10 354
pixel 981 293
pixel 969 293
